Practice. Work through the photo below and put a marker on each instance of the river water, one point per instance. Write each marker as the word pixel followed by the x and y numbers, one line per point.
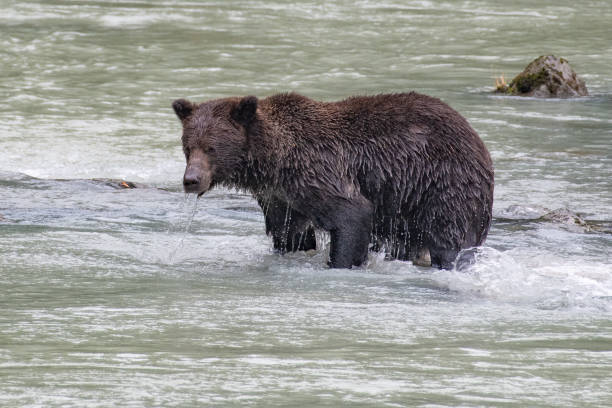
pixel 145 297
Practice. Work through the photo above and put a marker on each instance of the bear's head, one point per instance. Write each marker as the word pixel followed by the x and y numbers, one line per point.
pixel 214 140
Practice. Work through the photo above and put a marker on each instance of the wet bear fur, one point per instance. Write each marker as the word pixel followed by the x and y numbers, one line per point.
pixel 403 173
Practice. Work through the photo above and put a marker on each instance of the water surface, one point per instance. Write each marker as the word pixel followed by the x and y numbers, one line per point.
pixel 144 297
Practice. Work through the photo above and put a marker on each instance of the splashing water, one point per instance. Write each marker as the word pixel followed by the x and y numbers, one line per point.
pixel 504 276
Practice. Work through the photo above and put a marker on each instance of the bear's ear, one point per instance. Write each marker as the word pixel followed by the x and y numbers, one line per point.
pixel 182 108
pixel 244 113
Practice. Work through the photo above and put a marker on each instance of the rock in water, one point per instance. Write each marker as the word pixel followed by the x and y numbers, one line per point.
pixel 566 217
pixel 546 77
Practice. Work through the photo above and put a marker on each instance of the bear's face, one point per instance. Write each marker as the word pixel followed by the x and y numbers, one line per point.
pixel 214 140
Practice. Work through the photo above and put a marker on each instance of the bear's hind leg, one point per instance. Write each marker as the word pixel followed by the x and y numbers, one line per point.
pixel 290 230
pixel 294 238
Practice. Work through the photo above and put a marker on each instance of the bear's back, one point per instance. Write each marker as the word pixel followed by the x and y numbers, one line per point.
pixel 409 117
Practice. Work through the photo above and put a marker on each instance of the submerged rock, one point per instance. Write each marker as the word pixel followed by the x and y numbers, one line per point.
pixel 545 77
pixel 561 217
pixel 568 218
pixel 118 184
pixel 423 258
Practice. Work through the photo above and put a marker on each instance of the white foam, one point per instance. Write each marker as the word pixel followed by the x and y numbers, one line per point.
pixel 542 282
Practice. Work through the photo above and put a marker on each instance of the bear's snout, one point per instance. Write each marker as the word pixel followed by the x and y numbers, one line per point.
pixel 198 175
pixel 192 178
pixel 196 180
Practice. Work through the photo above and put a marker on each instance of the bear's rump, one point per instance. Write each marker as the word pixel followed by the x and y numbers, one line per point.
pixel 426 216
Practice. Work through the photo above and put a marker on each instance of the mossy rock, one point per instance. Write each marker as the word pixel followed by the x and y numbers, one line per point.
pixel 546 77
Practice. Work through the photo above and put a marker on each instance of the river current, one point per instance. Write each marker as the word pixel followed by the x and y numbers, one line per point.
pixel 114 296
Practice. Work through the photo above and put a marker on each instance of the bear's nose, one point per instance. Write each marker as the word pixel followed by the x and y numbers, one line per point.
pixel 192 177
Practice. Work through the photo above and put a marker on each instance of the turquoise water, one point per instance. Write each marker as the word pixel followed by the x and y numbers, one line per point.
pixel 146 297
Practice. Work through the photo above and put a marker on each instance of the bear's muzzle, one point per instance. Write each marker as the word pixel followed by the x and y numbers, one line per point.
pixel 198 174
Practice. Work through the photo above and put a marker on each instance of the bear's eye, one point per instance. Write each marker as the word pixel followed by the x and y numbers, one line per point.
pixel 209 150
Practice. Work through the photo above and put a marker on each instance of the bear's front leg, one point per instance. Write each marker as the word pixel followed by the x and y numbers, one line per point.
pixel 350 234
pixel 290 230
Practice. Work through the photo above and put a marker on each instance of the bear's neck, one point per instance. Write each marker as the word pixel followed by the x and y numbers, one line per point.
pixel 250 176
pixel 284 122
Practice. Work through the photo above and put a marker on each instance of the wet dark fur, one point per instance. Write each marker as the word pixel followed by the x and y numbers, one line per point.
pixel 402 172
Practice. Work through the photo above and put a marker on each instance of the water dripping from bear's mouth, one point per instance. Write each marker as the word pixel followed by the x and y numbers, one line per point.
pixel 190 207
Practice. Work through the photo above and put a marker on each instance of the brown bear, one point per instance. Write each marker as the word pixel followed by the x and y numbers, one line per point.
pixel 400 173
